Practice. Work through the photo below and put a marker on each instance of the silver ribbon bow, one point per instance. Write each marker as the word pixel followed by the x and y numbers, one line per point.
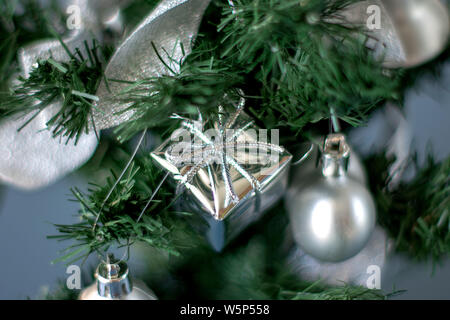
pixel 217 151
pixel 171 24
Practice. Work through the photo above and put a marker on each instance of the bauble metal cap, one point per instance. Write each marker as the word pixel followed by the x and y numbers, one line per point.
pixel 335 155
pixel 113 279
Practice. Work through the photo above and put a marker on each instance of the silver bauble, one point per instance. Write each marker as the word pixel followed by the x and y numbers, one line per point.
pixel 114 283
pixel 332 214
pixel 410 33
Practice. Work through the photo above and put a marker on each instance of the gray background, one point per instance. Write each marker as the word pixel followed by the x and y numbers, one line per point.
pixel 26 217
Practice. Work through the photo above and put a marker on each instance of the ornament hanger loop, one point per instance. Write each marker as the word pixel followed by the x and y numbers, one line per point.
pixel 335 127
pixel 335 155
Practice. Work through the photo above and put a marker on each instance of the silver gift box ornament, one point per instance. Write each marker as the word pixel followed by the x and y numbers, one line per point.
pixel 227 190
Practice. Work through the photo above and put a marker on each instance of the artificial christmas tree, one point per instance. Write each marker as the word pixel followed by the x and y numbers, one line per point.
pixel 302 67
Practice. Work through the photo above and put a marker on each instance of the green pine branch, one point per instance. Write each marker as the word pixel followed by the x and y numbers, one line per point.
pixel 255 270
pixel 417 213
pixel 305 62
pixel 288 57
pixel 118 224
pixel 16 30
pixel 345 292
pixel 200 85
pixel 72 83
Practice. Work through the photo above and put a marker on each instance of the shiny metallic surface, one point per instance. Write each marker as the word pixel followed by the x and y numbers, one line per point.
pixel 206 193
pixel 332 217
pixel 412 31
pixel 113 279
pixel 335 156
pixel 114 283
pixel 249 209
pixel 171 23
pixel 208 186
pixel 355 168
pixel 139 292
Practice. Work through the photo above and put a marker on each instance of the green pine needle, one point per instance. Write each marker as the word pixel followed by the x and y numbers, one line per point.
pixel 294 63
pixel 74 83
pixel 417 213
pixel 200 85
pixel 345 292
pixel 304 63
pixel 19 28
pixel 117 222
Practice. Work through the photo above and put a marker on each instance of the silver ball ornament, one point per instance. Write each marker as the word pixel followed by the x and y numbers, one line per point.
pixel 332 213
pixel 408 32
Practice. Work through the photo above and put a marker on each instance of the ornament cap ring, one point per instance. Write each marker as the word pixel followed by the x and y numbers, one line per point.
pixel 335 155
pixel 113 278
